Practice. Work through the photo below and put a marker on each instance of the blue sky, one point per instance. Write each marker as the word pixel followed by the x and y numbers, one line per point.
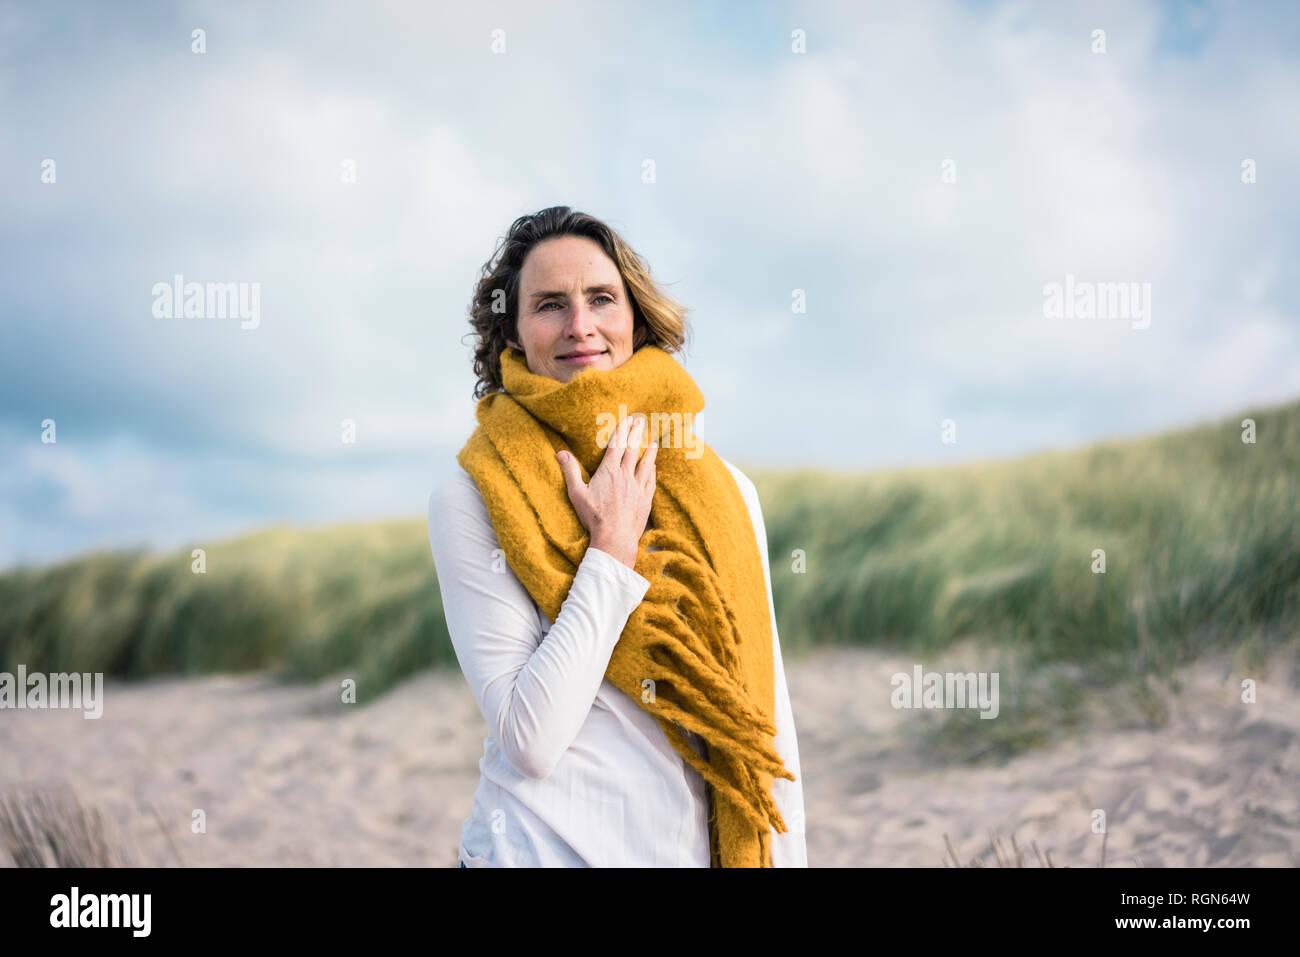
pixel 775 170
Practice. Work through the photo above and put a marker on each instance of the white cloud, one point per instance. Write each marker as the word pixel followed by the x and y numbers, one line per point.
pixel 776 171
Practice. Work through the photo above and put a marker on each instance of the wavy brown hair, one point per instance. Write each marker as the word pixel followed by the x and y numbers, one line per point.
pixel 494 311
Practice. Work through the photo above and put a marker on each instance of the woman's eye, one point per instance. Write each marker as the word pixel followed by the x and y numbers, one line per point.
pixel 543 306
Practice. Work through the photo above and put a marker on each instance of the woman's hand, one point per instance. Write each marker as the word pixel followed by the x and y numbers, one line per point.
pixel 615 506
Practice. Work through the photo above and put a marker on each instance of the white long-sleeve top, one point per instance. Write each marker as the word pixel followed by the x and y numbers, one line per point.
pixel 574 772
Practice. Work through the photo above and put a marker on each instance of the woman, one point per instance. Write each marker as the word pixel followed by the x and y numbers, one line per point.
pixel 605 580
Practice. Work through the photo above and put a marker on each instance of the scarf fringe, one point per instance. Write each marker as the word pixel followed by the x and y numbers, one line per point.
pixel 681 556
pixel 712 693
pixel 765 816
pixel 694 715
pixel 713 703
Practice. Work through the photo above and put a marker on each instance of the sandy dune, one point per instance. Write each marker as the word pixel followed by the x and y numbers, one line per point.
pixel 290 776
pixel 1218 786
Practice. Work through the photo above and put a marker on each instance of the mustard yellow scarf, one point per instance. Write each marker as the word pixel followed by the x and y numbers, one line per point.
pixel 702 634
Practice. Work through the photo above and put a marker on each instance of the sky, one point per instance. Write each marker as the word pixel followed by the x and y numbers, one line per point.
pixel 922 172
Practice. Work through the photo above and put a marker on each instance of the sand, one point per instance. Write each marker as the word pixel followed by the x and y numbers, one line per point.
pixel 288 775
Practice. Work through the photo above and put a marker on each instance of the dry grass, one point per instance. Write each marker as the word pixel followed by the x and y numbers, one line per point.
pixel 50 827
pixel 1005 860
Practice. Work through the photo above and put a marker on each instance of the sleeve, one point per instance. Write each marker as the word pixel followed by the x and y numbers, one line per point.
pixel 534 694
pixel 789 849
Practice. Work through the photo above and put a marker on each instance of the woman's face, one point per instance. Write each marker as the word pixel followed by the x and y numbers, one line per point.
pixel 574 311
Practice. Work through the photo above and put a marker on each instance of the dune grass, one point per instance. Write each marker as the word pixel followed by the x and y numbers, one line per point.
pixel 1201 534
pixel 359 600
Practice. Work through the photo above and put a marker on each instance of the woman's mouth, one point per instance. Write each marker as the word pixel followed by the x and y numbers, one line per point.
pixel 583 358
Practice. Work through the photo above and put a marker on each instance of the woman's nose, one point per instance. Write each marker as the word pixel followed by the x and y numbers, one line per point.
pixel 580 321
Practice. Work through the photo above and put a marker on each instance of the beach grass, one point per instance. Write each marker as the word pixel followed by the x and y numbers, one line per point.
pixel 359 600
pixel 1201 535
